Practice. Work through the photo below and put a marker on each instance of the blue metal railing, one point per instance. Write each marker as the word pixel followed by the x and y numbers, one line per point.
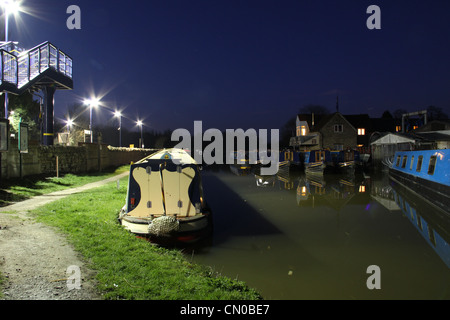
pixel 21 69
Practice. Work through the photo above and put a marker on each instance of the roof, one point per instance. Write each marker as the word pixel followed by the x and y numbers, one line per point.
pixel 394 138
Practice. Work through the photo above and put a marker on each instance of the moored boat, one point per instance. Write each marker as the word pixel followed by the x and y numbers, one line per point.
pixel 316 161
pixel 344 161
pixel 165 199
pixel 426 173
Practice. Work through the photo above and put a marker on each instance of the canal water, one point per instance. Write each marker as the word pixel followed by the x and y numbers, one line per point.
pixel 292 236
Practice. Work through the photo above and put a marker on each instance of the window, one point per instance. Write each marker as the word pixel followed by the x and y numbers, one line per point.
pixel 339 147
pixel 298 131
pixel 431 235
pixel 404 161
pixel 361 131
pixel 398 161
pixel 419 222
pixel 338 128
pixel 412 162
pixel 419 163
pixel 432 165
pixel 303 131
pixel 398 128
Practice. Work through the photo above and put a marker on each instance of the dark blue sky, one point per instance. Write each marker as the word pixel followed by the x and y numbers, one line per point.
pixel 246 64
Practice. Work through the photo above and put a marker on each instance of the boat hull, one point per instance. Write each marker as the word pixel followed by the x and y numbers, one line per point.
pixel 190 229
pixel 436 194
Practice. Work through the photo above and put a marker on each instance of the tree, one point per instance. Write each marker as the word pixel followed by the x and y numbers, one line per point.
pixel 26 108
pixel 387 115
pixel 435 113
pixel 399 112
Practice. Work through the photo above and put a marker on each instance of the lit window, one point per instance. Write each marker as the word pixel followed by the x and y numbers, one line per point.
pixel 398 128
pixel 303 133
pixel 361 132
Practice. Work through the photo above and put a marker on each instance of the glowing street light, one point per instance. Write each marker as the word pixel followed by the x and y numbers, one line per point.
pixel 9 7
pixel 118 114
pixel 139 123
pixel 69 123
pixel 92 103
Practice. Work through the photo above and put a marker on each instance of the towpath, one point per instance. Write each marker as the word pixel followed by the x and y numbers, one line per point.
pixel 34 257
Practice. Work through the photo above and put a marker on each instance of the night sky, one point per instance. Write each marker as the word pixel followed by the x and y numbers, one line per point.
pixel 245 64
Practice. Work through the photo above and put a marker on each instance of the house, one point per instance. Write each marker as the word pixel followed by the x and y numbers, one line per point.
pixel 305 137
pixel 331 131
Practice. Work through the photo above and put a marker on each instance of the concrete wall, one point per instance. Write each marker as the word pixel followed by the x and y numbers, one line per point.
pixel 70 159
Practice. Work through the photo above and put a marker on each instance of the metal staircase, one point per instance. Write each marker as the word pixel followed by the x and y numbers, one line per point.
pixel 43 68
pixel 40 66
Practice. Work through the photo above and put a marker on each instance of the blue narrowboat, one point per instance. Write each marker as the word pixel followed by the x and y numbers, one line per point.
pixel 165 199
pixel 426 173
pixel 315 161
pixel 344 161
pixel 289 157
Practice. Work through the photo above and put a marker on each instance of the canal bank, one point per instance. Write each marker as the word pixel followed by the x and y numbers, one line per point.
pixel 115 264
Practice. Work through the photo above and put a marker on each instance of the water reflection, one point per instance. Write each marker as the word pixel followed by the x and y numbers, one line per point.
pixel 431 223
pixel 293 236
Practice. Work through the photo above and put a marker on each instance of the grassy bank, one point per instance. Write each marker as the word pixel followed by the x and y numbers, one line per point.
pixel 19 189
pixel 128 267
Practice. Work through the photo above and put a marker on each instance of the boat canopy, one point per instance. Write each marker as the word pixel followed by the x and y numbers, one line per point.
pixel 165 183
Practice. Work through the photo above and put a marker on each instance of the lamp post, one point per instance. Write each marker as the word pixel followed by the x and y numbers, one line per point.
pixel 69 123
pixel 139 123
pixel 9 7
pixel 92 103
pixel 119 115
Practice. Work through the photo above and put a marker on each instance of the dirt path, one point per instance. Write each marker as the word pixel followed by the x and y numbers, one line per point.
pixel 34 258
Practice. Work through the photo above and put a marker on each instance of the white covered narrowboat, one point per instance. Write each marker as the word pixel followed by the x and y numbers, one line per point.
pixel 165 198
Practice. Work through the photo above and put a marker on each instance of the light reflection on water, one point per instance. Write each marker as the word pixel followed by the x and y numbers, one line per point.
pixel 293 237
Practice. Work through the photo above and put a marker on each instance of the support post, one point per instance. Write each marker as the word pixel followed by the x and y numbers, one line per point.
pixel 48 135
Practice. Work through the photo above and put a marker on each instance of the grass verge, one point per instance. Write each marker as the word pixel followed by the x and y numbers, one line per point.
pixel 16 190
pixel 128 267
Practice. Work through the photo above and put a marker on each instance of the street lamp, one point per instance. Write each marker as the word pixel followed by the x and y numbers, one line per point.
pixel 139 123
pixel 69 123
pixel 9 7
pixel 92 103
pixel 119 115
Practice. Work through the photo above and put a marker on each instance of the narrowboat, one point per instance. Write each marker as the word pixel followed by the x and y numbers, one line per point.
pixel 165 198
pixel 344 161
pixel 426 173
pixel 316 161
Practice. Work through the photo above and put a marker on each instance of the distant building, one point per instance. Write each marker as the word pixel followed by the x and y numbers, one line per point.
pixel 435 125
pixel 332 132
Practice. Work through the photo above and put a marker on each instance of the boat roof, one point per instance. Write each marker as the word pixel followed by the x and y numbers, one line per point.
pixel 179 155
